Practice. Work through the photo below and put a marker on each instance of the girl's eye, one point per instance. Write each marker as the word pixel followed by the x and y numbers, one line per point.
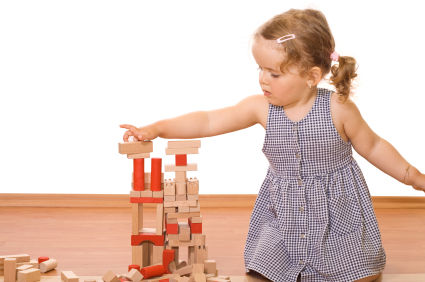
pixel 275 75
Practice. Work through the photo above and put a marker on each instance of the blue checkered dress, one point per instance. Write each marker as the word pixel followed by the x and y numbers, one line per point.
pixel 313 215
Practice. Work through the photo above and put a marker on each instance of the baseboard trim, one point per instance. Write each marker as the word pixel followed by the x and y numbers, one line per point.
pixel 206 201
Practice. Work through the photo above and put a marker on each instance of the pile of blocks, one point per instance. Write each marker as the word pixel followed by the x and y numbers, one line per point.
pixel 22 268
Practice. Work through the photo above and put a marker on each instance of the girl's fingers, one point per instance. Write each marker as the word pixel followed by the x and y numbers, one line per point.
pixel 127 126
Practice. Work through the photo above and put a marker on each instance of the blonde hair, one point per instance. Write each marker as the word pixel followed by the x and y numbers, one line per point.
pixel 312 46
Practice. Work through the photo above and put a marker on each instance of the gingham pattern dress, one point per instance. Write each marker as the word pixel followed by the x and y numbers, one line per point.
pixel 313 215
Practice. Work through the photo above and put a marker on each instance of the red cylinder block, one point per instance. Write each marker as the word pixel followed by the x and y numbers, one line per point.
pixel 156 167
pixel 135 266
pixel 152 271
pixel 41 259
pixel 138 174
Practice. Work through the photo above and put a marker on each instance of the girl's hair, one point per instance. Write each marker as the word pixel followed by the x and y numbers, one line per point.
pixel 312 46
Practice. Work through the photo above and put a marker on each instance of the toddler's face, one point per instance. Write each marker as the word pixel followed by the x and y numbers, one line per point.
pixel 280 88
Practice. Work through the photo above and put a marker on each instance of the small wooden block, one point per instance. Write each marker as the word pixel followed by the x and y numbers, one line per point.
pixel 183 209
pixel 158 194
pixel 19 258
pixel 188 167
pixel 196 219
pixel 195 209
pixel 29 275
pixel 185 270
pixel 181 151
pixel 184 144
pixel 169 198
pixel 159 219
pixel 146 194
pixel 180 188
pixel 135 275
pixel 9 269
pixel 170 210
pixel 198 239
pixel 193 197
pixel 69 276
pixel 181 176
pixel 157 254
pixel 131 148
pixel 198 268
pixel 108 277
pixel 210 266
pixel 48 265
pixel 173 236
pixel 139 156
pixel 199 277
pixel 134 194
pixel 182 215
pixel 24 267
pixel 184 231
pixel 181 198
pixel 169 187
pixel 193 186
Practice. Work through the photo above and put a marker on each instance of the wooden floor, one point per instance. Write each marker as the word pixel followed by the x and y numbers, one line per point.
pixel 90 241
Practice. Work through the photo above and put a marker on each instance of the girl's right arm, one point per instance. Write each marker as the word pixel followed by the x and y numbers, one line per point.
pixel 249 111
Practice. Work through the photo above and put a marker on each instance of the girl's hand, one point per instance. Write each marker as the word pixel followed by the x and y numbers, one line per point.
pixel 140 134
pixel 417 180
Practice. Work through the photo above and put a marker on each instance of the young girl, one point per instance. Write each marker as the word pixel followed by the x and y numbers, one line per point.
pixel 313 218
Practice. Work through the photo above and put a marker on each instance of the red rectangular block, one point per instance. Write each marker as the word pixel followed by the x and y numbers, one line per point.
pixel 195 228
pixel 172 228
pixel 181 160
pixel 157 240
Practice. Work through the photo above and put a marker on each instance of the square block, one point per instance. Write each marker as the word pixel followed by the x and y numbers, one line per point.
pixel 181 160
pixel 130 148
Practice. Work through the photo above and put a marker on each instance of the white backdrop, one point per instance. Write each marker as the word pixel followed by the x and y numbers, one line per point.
pixel 72 71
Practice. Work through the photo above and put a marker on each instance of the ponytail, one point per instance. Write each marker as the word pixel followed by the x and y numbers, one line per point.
pixel 342 75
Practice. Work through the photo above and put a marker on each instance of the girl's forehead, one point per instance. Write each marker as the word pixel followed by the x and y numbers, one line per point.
pixel 268 53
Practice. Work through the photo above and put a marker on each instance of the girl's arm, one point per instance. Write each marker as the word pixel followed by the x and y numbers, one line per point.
pixel 376 150
pixel 199 124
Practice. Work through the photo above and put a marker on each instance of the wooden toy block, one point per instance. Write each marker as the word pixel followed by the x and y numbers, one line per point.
pixel 184 231
pixel 181 151
pixel 158 194
pixel 183 279
pixel 131 148
pixel 137 218
pixel 185 270
pixel 146 194
pixel 48 265
pixel 159 219
pixel 24 267
pixel 156 169
pixel 135 275
pixel 69 276
pixel 169 187
pixel 170 210
pixel 172 227
pixel 173 236
pixel 183 209
pixel 169 198
pixel 210 266
pixel 184 144
pixel 146 200
pixel 195 219
pixel 198 239
pixel 152 271
pixel 157 240
pixel 195 228
pixel 182 215
pixel 107 277
pixel 180 198
pixel 178 243
pixel 195 209
pixel 201 254
pixel 199 277
pixel 172 266
pixel 134 194
pixel 188 167
pixel 181 176
pixel 138 174
pixel 193 197
pixel 19 258
pixel 181 160
pixel 180 188
pixel 139 156
pixel 191 255
pixel 176 255
pixel 9 269
pixel 193 186
pixel 167 258
pixel 140 254
pixel 29 275
pixel 157 254
pixel 41 259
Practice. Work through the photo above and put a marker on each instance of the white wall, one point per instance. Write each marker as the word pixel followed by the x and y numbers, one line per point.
pixel 72 71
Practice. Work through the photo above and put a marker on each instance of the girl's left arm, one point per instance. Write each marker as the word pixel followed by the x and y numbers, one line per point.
pixel 377 150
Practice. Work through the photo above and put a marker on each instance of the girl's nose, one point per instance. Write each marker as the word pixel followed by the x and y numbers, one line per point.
pixel 263 77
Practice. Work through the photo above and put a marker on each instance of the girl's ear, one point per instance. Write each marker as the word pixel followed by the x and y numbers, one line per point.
pixel 314 75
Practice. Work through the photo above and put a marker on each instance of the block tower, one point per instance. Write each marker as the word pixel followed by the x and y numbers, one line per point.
pixel 181 204
pixel 178 220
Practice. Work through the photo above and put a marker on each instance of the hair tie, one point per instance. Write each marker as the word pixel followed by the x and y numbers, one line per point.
pixel 335 56
pixel 285 38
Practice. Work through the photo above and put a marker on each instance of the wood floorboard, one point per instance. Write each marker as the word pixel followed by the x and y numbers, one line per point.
pixel 90 241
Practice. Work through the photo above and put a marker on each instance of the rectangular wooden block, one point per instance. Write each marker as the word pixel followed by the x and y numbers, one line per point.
pixel 69 276
pixel 184 144
pixel 193 197
pixel 169 187
pixel 182 215
pixel 139 156
pixel 134 194
pixel 210 266
pixel 181 176
pixel 169 198
pixel 196 219
pixel 170 210
pixel 183 209
pixel 135 275
pixel 199 239
pixel 9 269
pixel 19 258
pixel 181 151
pixel 30 275
pixel 193 186
pixel 157 254
pixel 195 209
pixel 181 188
pixel 159 219
pixel 137 218
pixel 131 148
pixel 146 194
pixel 109 277
pixel 181 197
pixel 158 194
pixel 24 267
pixel 188 167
